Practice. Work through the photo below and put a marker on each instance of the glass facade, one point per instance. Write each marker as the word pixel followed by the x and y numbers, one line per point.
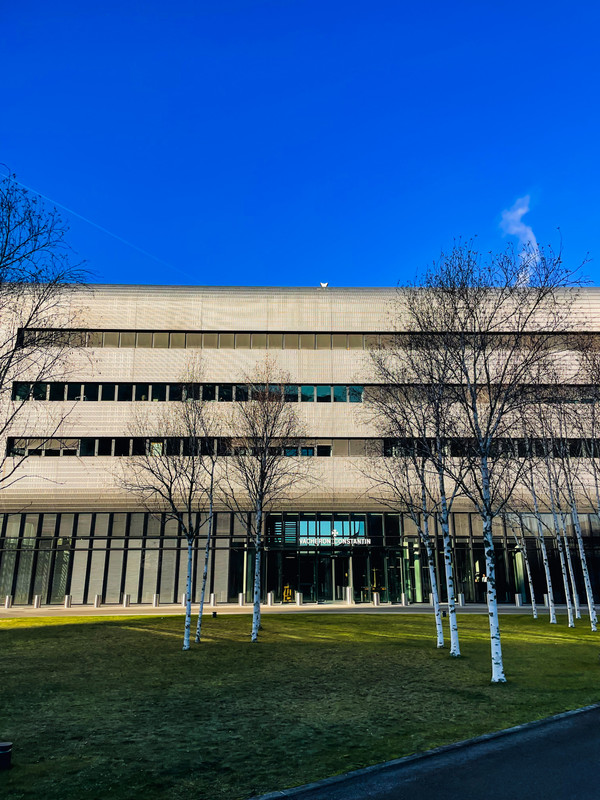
pixel 327 557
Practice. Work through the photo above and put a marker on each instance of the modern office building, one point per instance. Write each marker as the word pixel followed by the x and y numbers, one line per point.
pixel 69 528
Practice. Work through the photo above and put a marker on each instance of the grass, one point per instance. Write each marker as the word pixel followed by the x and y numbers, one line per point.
pixel 112 708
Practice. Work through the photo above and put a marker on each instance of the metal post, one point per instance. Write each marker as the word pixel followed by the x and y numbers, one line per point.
pixel 37 601
pixel 8 601
pixel 546 603
pixel 403 601
pixel 518 601
pixel 155 600
pixel 461 599
pixel 270 598
pixel 349 595
pixel 212 600
pixel 241 599
pixel 97 601
pixel 68 600
pixel 183 599
pixel 126 600
pixel 299 598
pixel 376 598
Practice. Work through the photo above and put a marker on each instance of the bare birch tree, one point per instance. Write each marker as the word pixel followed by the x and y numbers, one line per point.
pixel 263 465
pixel 173 473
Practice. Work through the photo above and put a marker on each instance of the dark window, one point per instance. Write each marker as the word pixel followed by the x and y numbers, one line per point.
pixel 226 392
pixel 173 447
pixel 307 451
pixel 142 391
pixel 175 391
pixel 39 391
pixel 159 392
pixel 21 391
pixel 108 391
pixel 355 394
pixel 90 391
pixel 307 393
pixel 291 451
pixel 241 393
pixel 323 394
pixel 87 447
pixel 209 391
pixel 193 391
pixel 340 394
pixel 104 446
pixel 291 394
pixel 121 446
pixel 138 446
pixel 57 391
pixel 207 447
pixel 323 449
pixel 125 392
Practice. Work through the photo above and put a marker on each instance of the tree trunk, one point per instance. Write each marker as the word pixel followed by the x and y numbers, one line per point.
pixel 257 560
pixel 565 577
pixel 542 541
pixel 490 566
pixel 586 574
pixel 205 571
pixel 523 546
pixel 432 577
pixel 574 592
pixel 188 596
pixel 454 643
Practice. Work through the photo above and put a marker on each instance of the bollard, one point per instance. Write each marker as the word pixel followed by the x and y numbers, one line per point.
pixel 430 598
pixel 5 754
pixel 68 600
pixel 376 598
pixel 37 601
pixel 97 601
pixel 155 600
pixel 444 614
pixel 183 599
pixel 126 600
pixel 546 603
pixel 212 600
pixel 518 601
pixel 403 601
pixel 8 601
pixel 299 598
pixel 241 599
pixel 461 599
pixel 214 614
pixel 270 598
pixel 349 595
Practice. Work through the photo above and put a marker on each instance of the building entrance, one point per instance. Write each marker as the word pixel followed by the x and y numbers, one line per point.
pixel 321 578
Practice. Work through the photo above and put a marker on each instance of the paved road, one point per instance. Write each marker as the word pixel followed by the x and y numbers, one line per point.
pixel 558 761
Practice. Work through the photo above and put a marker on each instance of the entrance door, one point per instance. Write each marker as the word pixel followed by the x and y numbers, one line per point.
pixel 325 566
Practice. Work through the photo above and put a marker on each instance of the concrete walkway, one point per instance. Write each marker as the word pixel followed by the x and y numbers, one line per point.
pixel 559 759
pixel 329 608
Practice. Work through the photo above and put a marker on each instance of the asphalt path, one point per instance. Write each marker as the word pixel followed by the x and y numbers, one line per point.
pixel 558 760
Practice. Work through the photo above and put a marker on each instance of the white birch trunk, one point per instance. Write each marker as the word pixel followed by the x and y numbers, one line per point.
pixel 490 565
pixel 523 547
pixel 565 577
pixel 542 541
pixel 454 643
pixel 434 587
pixel 188 597
pixel 204 572
pixel 586 575
pixel 258 544
pixel 574 592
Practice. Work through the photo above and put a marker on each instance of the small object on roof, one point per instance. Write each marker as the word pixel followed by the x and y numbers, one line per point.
pixel 324 285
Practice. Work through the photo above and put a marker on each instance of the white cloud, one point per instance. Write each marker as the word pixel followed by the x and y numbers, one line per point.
pixel 512 224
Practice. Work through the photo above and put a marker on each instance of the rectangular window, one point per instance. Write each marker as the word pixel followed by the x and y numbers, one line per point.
pixel 307 394
pixel 156 447
pixel 340 447
pixel 357 447
pixel 173 447
pixel 138 446
pixel 225 393
pixel 371 341
pixel 355 394
pixel 193 340
pixel 226 341
pixel 241 393
pixel 175 391
pixel 160 340
pixel 87 447
pixel 127 339
pixel 121 446
pixel 242 341
pixel 259 341
pixel 307 451
pixel 125 392
pixel 104 446
pixel 323 394
pixel 144 340
pixel 291 394
pixel 21 391
pixel 108 391
pixel 307 341
pixel 142 391
pixel 111 339
pixel 290 341
pixel 338 341
pixel 39 391
pixel 209 391
pixel 323 450
pixel 291 451
pixel 159 392
pixel 275 341
pixel 355 341
pixel 94 339
pixel 177 341
pixel 323 341
pixel 210 341
pixel 340 394
pixel 57 391
pixel 90 391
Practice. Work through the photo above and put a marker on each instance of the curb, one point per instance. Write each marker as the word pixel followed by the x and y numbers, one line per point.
pixel 299 791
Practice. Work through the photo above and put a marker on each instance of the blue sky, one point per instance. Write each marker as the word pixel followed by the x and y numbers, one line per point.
pixel 296 141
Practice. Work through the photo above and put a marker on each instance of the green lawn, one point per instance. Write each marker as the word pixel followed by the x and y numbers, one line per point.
pixel 112 708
